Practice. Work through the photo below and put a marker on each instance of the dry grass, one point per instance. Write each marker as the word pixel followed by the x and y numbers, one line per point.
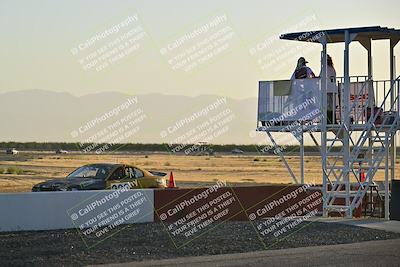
pixel 229 168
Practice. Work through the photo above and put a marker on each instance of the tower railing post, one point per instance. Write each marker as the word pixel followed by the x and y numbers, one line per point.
pixel 346 122
pixel 323 85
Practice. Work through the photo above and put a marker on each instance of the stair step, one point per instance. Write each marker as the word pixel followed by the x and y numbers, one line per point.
pixel 375 157
pixel 335 167
pixel 343 194
pixel 337 207
pixel 340 183
pixel 311 188
pixel 334 154
pixel 351 183
pixel 380 135
pixel 367 148
pixel 362 160
pixel 368 167
pixel 334 139
pixel 375 139
pixel 356 164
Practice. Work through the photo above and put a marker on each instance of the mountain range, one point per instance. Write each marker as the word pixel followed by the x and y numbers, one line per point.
pixel 47 116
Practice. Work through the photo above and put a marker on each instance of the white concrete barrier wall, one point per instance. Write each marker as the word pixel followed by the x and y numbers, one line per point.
pixel 63 210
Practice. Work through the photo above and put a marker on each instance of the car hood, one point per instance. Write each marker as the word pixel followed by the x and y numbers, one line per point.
pixel 71 183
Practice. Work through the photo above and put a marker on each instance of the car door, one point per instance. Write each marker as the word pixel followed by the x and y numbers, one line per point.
pixel 137 177
pixel 142 179
pixel 121 178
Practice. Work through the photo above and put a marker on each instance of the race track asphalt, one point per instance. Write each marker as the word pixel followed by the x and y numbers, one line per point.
pixel 369 253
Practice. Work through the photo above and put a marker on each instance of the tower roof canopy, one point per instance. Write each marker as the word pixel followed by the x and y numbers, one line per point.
pixel 338 35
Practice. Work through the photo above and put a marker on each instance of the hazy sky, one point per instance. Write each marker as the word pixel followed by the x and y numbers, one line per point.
pixel 38 37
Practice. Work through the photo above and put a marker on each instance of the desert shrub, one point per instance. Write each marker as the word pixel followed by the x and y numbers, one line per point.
pixel 167 164
pixel 14 170
pixel 11 170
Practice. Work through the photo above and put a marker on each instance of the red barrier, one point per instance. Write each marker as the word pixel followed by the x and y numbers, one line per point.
pixel 260 201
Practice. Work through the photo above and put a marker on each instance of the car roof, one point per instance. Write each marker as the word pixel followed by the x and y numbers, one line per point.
pixel 114 166
pixel 110 165
pixel 105 164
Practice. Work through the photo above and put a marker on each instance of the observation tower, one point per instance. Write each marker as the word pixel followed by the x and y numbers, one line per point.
pixel 357 138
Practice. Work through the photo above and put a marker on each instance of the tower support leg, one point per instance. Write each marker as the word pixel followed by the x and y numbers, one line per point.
pixel 279 152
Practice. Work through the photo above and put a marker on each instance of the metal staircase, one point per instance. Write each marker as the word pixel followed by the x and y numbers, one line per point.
pixel 345 191
pixel 365 137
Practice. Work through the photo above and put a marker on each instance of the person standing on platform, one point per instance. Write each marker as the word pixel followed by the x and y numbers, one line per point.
pixel 331 90
pixel 302 71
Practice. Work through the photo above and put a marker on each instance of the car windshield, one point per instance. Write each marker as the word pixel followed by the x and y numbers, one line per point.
pixel 91 171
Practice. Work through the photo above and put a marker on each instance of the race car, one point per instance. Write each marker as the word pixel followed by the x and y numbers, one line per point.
pixel 12 151
pixel 105 176
pixel 61 151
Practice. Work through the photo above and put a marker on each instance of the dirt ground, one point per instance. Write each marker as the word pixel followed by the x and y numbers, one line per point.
pixel 35 167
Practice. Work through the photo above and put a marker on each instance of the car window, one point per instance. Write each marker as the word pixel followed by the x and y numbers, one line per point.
pixel 129 173
pixel 119 174
pixel 91 171
pixel 138 173
pixel 133 173
pixel 102 173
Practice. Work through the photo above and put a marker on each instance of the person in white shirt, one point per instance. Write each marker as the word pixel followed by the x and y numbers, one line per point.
pixel 331 90
pixel 302 71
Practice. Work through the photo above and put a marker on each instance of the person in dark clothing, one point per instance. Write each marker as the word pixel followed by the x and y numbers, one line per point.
pixel 302 71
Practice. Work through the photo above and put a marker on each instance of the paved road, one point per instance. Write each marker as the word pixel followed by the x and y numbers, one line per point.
pixel 372 223
pixel 371 253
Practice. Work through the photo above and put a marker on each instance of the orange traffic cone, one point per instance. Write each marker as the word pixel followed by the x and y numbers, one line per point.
pixel 171 183
pixel 362 176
